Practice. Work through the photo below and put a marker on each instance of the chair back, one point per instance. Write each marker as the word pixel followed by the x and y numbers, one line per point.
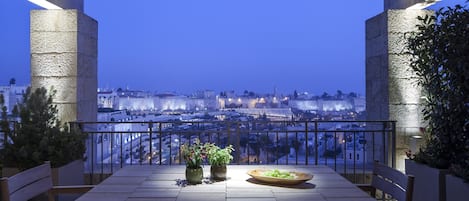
pixel 393 182
pixel 27 184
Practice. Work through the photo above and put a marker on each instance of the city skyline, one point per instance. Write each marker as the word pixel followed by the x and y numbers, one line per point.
pixel 185 46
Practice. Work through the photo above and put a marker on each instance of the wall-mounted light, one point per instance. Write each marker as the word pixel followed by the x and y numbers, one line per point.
pixel 408 4
pixel 59 4
pixel 45 4
pixel 416 136
pixel 422 5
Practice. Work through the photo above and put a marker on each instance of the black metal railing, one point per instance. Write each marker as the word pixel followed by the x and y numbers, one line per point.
pixel 349 147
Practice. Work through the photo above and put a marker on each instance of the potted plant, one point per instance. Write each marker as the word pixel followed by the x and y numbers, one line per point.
pixel 218 159
pixel 193 155
pixel 441 64
pixel 40 136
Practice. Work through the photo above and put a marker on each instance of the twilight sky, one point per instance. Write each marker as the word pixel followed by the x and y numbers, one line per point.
pixel 188 45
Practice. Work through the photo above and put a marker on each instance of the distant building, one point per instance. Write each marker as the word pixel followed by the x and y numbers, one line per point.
pixel 109 114
pixel 170 102
pixel 207 100
pixel 134 100
pixel 12 95
pixel 107 99
pixel 357 104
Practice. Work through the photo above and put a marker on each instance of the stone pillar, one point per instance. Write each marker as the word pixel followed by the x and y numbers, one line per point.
pixel 391 89
pixel 64 58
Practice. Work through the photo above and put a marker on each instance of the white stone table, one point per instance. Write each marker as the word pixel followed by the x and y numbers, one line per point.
pixel 144 183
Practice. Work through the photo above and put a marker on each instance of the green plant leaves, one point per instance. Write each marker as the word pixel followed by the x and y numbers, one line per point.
pixel 441 61
pixel 40 136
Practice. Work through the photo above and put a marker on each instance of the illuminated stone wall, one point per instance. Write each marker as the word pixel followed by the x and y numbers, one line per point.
pixel 391 89
pixel 64 57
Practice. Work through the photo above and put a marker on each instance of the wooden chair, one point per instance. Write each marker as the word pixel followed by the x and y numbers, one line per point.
pixel 33 182
pixel 391 182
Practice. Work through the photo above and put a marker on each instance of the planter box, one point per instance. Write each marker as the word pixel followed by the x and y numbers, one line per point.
pixel 70 174
pixel 456 189
pixel 429 184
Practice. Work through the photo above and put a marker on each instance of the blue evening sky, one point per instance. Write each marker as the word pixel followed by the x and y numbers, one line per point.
pixel 189 45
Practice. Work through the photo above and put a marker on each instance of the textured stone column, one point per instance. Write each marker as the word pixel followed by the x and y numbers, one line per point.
pixel 391 89
pixel 64 58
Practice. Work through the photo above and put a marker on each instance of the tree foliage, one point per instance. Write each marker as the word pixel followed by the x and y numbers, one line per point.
pixel 40 136
pixel 440 50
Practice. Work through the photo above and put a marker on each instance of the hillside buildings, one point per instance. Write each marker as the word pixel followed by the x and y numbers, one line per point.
pixel 123 102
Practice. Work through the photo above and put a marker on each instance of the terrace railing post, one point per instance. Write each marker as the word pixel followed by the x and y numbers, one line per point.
pixel 150 131
pixel 393 144
pixel 306 143
pixel 121 150
pixel 237 149
pixel 385 151
pixel 316 142
pixel 159 138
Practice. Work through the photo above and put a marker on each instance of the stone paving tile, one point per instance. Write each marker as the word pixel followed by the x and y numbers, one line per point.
pixel 333 184
pixel 328 177
pixel 251 199
pixel 160 184
pixel 166 176
pixel 123 180
pixel 114 196
pixel 288 196
pixel 151 199
pixel 114 188
pixel 285 190
pixel 193 196
pixel 351 199
pixel 204 188
pixel 154 194
pixel 249 193
pixel 175 169
pixel 135 173
pixel 142 189
pixel 343 193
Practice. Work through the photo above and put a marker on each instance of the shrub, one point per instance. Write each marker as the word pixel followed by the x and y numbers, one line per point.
pixel 441 61
pixel 40 136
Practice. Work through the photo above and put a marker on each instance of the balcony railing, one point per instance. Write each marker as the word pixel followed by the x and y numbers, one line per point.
pixel 349 147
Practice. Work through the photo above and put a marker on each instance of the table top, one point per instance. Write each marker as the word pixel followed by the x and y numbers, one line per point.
pixel 140 183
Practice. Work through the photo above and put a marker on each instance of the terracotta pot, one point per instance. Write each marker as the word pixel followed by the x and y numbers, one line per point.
pixel 194 176
pixel 218 172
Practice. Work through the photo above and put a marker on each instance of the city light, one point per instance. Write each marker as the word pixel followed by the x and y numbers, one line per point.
pixel 45 4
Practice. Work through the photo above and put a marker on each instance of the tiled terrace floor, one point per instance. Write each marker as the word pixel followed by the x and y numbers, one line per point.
pixel 139 183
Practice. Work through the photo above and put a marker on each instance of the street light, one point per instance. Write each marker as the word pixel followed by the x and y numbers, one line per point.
pixel 45 4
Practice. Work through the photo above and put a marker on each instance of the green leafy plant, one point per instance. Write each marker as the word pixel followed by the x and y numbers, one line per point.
pixel 194 154
pixel 441 62
pixel 40 136
pixel 219 156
